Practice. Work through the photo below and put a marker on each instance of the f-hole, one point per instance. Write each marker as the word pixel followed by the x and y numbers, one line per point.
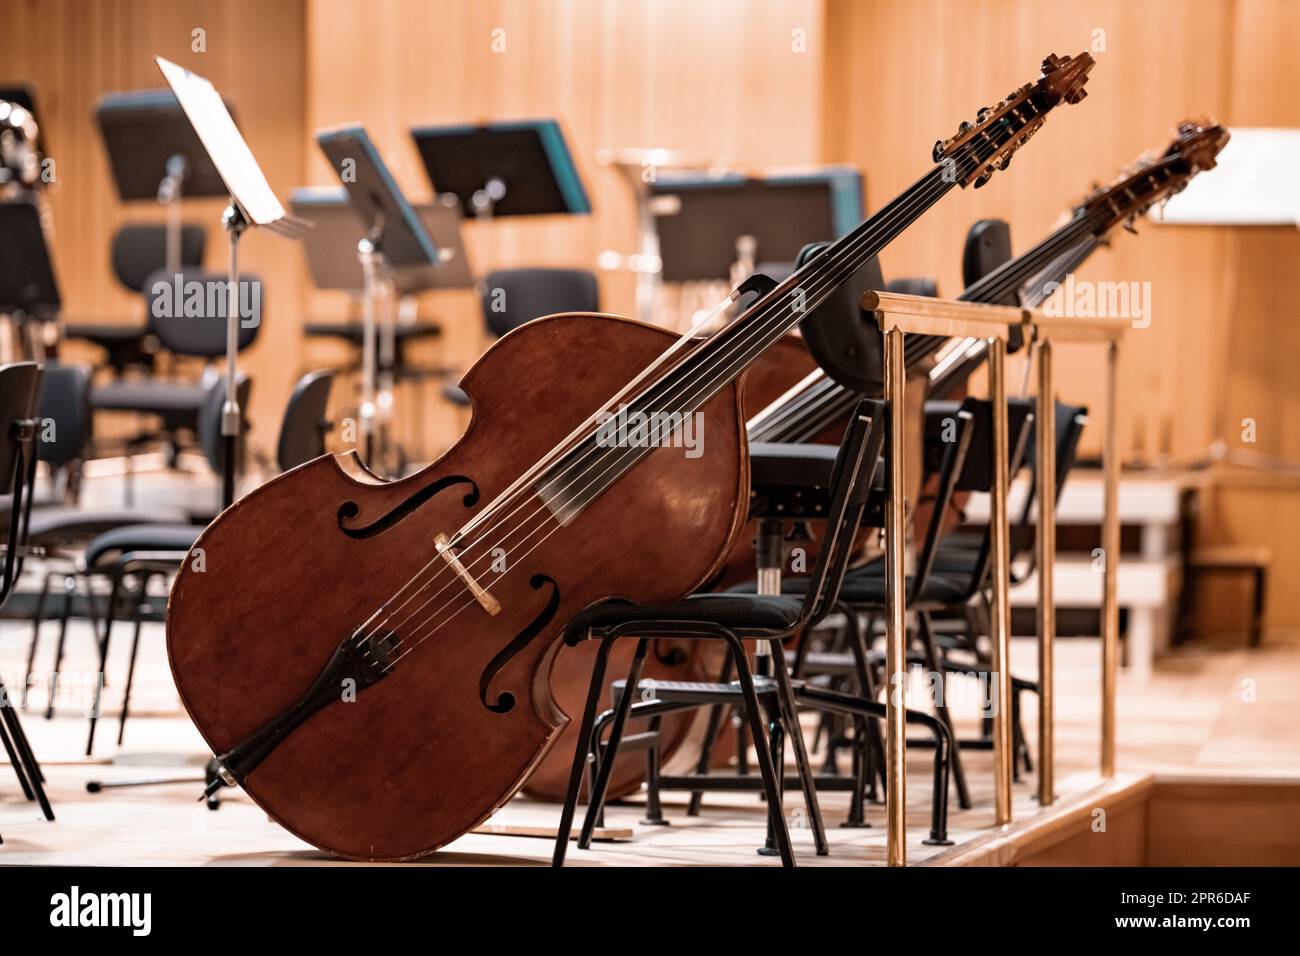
pixel 349 509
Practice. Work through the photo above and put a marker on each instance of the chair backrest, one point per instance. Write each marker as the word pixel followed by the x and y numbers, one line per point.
pixel 209 431
pixel 976 473
pixel 953 435
pixel 302 433
pixel 850 483
pixel 140 249
pixel 512 297
pixel 189 314
pixel 1070 422
pixel 20 383
pixel 848 349
pixel 988 246
pixel 65 414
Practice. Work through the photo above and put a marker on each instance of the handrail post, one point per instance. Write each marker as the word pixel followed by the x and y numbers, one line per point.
pixel 1045 542
pixel 896 610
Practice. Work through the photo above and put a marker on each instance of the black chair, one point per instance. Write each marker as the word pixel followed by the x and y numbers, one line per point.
pixel 142 552
pixel 60 529
pixel 189 325
pixel 19 386
pixel 138 251
pixel 733 618
pixel 958 451
pixel 64 419
pixel 966 559
pixel 512 297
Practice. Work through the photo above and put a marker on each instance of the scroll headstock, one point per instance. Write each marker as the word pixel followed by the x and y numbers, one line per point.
pixel 1154 178
pixel 998 131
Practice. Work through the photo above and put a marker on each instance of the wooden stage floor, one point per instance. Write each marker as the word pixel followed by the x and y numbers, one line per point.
pixel 1205 707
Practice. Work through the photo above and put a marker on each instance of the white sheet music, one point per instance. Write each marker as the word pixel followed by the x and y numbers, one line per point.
pixel 224 144
pixel 1254 183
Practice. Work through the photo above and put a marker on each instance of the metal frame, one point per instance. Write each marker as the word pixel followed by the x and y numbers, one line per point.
pixel 899 314
pixel 896 315
pixel 1108 332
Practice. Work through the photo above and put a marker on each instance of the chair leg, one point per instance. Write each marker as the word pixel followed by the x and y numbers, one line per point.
pixel 857 803
pixel 925 631
pixel 27 758
pixel 37 618
pixel 716 714
pixel 581 748
pixel 806 781
pixel 859 645
pixel 109 615
pixel 596 799
pixel 654 811
pixel 130 667
pixel 69 592
pixel 13 759
pixel 769 774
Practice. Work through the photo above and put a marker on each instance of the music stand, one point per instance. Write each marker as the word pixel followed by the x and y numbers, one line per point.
pixel 395 243
pixel 29 292
pixel 154 154
pixel 516 168
pixel 331 246
pixel 702 219
pixel 252 203
pixel 27 283
pixel 645 264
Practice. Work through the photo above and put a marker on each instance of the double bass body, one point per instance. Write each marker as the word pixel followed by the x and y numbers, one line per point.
pixel 465 714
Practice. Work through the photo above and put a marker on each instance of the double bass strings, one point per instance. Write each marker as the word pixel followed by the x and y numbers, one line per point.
pixel 758 327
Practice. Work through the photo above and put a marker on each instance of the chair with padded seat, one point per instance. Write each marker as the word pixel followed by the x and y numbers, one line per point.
pixel 142 552
pixel 138 251
pixel 731 619
pixel 187 314
pixel 64 435
pixel 511 297
pixel 62 530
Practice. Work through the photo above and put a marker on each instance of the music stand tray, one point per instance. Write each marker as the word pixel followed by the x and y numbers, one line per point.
pixel 331 247
pixel 699 217
pixel 517 168
pixel 143 131
pixel 388 219
pixel 27 282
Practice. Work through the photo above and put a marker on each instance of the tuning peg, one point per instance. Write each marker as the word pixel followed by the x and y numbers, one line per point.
pixel 1128 225
pixel 983 178
pixel 938 150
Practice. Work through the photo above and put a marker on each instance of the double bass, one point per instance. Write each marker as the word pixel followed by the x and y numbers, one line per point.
pixel 369 659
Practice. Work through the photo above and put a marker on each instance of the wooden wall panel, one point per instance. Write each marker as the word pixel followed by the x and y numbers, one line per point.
pixel 1220 346
pixel 76 50
pixel 900 75
pixel 719 80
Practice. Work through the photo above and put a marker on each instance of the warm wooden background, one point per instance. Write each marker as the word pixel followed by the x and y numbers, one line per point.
pixel 760 83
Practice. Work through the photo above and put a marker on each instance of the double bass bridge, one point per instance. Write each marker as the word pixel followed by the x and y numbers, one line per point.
pixel 480 593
